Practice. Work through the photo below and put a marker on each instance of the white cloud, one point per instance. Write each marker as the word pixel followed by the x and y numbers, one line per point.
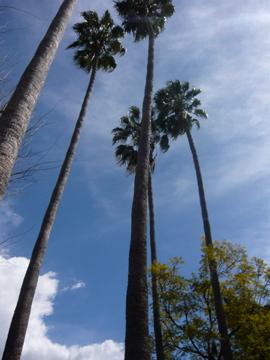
pixel 38 345
pixel 78 285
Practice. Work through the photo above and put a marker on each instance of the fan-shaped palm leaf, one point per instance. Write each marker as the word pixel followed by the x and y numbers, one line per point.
pixel 178 109
pixel 139 14
pixel 99 40
pixel 128 136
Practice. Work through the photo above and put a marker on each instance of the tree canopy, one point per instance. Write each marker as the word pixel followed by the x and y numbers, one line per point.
pixel 178 109
pixel 140 16
pixel 98 41
pixel 127 136
pixel 187 307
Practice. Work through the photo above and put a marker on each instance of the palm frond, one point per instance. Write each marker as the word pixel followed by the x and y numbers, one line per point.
pixel 139 16
pixel 196 123
pixel 177 108
pixel 107 63
pixel 164 143
pixel 90 17
pixel 98 41
pixel 106 19
pixel 128 136
pixel 75 44
pixel 125 121
pixel 117 32
pixel 120 135
pixel 201 113
pixel 127 156
pixel 192 93
pixel 135 114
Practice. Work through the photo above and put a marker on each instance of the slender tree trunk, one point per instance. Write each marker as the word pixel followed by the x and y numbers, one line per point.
pixel 156 307
pixel 137 337
pixel 19 323
pixel 219 308
pixel 16 116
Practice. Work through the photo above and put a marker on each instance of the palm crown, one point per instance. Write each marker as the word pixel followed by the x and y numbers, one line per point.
pixel 137 15
pixel 127 135
pixel 99 40
pixel 178 109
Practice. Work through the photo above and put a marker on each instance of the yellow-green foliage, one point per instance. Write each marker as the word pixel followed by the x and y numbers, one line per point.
pixel 188 316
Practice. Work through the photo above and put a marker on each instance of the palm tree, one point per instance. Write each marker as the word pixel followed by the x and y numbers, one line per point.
pixel 97 43
pixel 142 18
pixel 178 110
pixel 127 135
pixel 16 115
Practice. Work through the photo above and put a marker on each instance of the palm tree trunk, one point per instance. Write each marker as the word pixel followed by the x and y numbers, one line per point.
pixel 219 308
pixel 156 307
pixel 137 338
pixel 19 323
pixel 16 116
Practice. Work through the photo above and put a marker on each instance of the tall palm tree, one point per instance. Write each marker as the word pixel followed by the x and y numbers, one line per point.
pixel 127 136
pixel 16 115
pixel 178 110
pixel 99 40
pixel 142 18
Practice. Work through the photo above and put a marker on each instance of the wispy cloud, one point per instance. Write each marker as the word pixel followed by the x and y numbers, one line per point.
pixel 78 285
pixel 75 286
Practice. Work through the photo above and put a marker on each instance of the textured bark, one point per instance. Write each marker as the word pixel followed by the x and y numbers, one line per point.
pixel 219 308
pixel 137 337
pixel 19 323
pixel 17 114
pixel 156 307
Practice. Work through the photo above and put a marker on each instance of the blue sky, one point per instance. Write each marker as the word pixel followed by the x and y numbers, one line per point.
pixel 222 48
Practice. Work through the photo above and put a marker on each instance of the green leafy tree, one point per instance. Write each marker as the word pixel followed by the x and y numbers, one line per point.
pixel 127 137
pixel 178 110
pixel 99 40
pixel 142 18
pixel 17 113
pixel 188 317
